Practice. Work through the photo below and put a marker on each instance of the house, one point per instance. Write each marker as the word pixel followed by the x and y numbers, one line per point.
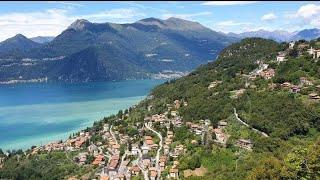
pixel 281 57
pixel 82 158
pixel 314 52
pixel 93 149
pixel 286 85
pixel 245 143
pixel 177 104
pixel 314 96
pixel 135 170
pixel 238 93
pixel 99 160
pixel 291 44
pixel 174 173
pixel 301 46
pixel 185 103
pixel 116 147
pixel 305 81
pixel 146 162
pixel 194 141
pixel 214 84
pixel 222 124
pixel 207 122
pixel 114 162
pixel 175 164
pixel 295 89
pixel 79 143
pixel 147 119
pixel 168 141
pixel 166 149
pixel 153 173
pixel 220 136
pixel 135 149
pixel 104 177
pixel 169 134
pixel 145 149
pixel 268 73
pixel 174 113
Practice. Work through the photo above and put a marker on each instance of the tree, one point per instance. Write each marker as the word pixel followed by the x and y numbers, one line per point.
pixel 120 114
pixel 268 168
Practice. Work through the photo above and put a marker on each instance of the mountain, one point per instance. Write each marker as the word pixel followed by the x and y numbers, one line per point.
pixel 307 34
pixel 280 36
pixel 277 35
pixel 147 47
pixel 17 44
pixel 42 39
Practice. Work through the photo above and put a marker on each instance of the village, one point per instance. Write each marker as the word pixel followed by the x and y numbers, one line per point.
pixel 123 157
pixel 267 73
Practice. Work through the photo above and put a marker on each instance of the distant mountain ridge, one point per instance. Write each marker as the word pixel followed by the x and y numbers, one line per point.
pixel 280 36
pixel 88 51
pixel 42 39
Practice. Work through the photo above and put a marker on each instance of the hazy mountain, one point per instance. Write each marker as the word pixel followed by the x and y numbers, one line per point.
pixel 122 51
pixel 274 35
pixel 42 39
pixel 280 36
pixel 307 34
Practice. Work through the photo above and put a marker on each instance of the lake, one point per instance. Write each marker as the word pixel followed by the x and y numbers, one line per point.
pixel 35 114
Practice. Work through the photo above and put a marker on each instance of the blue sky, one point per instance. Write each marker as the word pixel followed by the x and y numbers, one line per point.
pixel 51 18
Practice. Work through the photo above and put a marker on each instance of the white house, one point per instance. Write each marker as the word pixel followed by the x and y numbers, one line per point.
pixel 291 44
pixel 145 149
pixel 134 150
pixel 314 52
pixel 281 58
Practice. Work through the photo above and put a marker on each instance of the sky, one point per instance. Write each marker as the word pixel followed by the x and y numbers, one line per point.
pixel 51 18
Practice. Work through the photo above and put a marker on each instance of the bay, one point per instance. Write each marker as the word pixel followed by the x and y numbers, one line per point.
pixel 35 114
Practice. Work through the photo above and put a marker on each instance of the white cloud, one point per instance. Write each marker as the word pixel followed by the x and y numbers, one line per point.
pixel 122 14
pixel 306 16
pixel 185 16
pixel 52 22
pixel 227 3
pixel 41 23
pixel 269 17
pixel 66 3
pixel 231 23
pixel 308 11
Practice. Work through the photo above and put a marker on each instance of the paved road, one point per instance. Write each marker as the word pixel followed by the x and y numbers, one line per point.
pixel 114 137
pixel 242 122
pixel 159 149
pixel 144 172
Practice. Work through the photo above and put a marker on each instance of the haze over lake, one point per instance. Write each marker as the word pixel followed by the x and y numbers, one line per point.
pixel 35 114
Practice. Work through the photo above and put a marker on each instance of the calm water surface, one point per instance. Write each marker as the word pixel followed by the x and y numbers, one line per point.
pixel 35 114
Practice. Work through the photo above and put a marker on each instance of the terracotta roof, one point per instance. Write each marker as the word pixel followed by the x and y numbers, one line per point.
pixel 148 138
pixel 149 142
pixel 135 168
pixel 174 170
pixel 153 173
pixel 104 177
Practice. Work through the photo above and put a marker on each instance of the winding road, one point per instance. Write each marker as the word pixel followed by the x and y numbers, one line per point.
pixel 114 137
pixel 242 122
pixel 158 152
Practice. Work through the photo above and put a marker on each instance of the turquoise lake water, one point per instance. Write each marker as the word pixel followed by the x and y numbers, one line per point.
pixel 35 114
